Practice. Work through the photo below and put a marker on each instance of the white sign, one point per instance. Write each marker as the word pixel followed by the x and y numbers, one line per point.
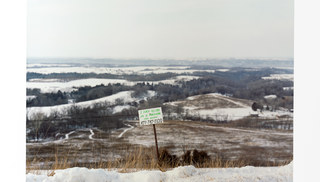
pixel 150 116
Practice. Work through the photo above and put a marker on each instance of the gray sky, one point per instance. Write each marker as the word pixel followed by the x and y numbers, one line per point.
pixel 160 28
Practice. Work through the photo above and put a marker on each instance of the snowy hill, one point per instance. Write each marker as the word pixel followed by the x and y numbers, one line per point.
pixel 61 109
pixel 221 107
pixel 179 174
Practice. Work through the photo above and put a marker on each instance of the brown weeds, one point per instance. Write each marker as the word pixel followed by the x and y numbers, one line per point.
pixel 142 158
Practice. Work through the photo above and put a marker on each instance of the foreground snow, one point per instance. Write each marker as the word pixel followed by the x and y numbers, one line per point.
pixel 183 174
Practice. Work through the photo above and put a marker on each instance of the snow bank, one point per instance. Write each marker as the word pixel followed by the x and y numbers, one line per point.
pixel 179 174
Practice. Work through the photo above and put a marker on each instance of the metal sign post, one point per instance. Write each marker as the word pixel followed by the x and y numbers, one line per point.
pixel 156 141
pixel 152 116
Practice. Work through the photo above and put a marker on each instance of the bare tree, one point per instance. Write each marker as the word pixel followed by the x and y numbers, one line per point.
pixel 36 122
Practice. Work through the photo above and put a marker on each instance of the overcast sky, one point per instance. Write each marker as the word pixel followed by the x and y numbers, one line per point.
pixel 160 28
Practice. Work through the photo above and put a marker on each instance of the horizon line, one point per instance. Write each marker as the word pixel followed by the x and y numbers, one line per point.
pixel 167 58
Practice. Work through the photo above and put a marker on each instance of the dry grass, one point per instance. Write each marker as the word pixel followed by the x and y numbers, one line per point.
pixel 142 158
pixel 107 151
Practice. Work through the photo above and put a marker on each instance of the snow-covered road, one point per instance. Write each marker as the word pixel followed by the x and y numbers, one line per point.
pixel 90 136
pixel 68 134
pixel 124 131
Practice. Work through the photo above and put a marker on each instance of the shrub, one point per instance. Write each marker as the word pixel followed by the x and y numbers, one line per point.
pixel 199 157
pixel 166 158
pixel 186 158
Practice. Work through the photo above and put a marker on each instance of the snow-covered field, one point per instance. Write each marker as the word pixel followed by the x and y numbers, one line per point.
pixel 279 77
pixel 39 65
pixel 53 85
pixel 287 88
pixel 270 97
pixel 223 70
pixel 125 96
pixel 46 86
pixel 183 174
pixel 174 80
pixel 222 108
pixel 224 114
pixel 116 70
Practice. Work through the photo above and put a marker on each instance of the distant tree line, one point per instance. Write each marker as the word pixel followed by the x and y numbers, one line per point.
pixel 89 93
pixel 46 99
pixel 74 75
